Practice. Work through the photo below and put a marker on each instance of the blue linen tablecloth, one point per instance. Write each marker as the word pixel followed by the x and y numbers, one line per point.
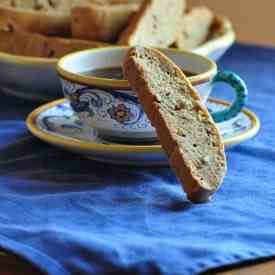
pixel 70 215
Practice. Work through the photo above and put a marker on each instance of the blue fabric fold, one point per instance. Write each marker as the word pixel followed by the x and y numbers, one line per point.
pixel 69 215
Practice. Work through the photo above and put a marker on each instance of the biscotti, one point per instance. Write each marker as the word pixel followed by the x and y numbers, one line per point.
pixel 195 28
pixel 102 22
pixel 36 45
pixel 156 24
pixel 45 16
pixel 111 2
pixel 184 127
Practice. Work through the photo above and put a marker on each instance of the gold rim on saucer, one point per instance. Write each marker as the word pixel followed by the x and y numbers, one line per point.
pixel 123 148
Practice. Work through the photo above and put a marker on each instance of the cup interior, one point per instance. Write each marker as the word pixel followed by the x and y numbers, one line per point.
pixel 73 65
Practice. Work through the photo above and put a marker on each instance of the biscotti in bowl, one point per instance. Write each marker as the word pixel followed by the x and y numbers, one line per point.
pixel 52 29
pixel 44 17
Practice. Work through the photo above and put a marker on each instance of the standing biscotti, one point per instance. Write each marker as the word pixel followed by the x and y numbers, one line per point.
pixel 101 22
pixel 195 28
pixel 155 25
pixel 184 127
pixel 45 16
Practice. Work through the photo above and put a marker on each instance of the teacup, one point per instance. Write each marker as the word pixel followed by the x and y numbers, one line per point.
pixel 112 108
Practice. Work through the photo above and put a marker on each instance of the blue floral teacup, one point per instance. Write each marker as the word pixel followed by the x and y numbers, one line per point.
pixel 111 107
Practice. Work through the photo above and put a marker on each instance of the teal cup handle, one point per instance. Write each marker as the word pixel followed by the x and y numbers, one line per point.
pixel 240 89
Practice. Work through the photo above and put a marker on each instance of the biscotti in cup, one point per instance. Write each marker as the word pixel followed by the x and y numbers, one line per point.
pixel 110 105
pixel 107 103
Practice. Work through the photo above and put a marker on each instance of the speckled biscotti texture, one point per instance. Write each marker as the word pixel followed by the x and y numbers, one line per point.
pixel 155 25
pixel 195 28
pixel 112 2
pixel 101 22
pixel 184 127
pixel 49 17
pixel 37 45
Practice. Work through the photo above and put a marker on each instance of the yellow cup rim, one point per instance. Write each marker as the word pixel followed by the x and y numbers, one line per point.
pixel 124 84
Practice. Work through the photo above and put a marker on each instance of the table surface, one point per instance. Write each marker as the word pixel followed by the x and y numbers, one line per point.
pixel 13 265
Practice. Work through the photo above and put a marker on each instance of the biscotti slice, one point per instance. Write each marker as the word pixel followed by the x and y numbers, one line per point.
pixel 45 16
pixel 113 2
pixel 101 22
pixel 195 28
pixel 155 25
pixel 184 127
pixel 36 45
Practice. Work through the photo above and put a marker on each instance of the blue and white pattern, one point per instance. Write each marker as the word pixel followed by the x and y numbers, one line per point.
pixel 69 87
pixel 107 109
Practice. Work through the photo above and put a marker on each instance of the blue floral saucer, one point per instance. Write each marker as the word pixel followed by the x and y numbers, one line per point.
pixel 57 124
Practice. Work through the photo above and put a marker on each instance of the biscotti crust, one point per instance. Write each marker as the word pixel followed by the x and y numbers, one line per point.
pixel 197 188
pixel 37 45
pixel 134 34
pixel 125 37
pixel 101 22
pixel 43 22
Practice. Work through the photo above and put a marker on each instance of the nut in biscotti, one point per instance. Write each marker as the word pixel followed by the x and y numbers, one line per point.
pixel 185 129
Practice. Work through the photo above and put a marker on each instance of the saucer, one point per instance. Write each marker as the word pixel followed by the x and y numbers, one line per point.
pixel 57 124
